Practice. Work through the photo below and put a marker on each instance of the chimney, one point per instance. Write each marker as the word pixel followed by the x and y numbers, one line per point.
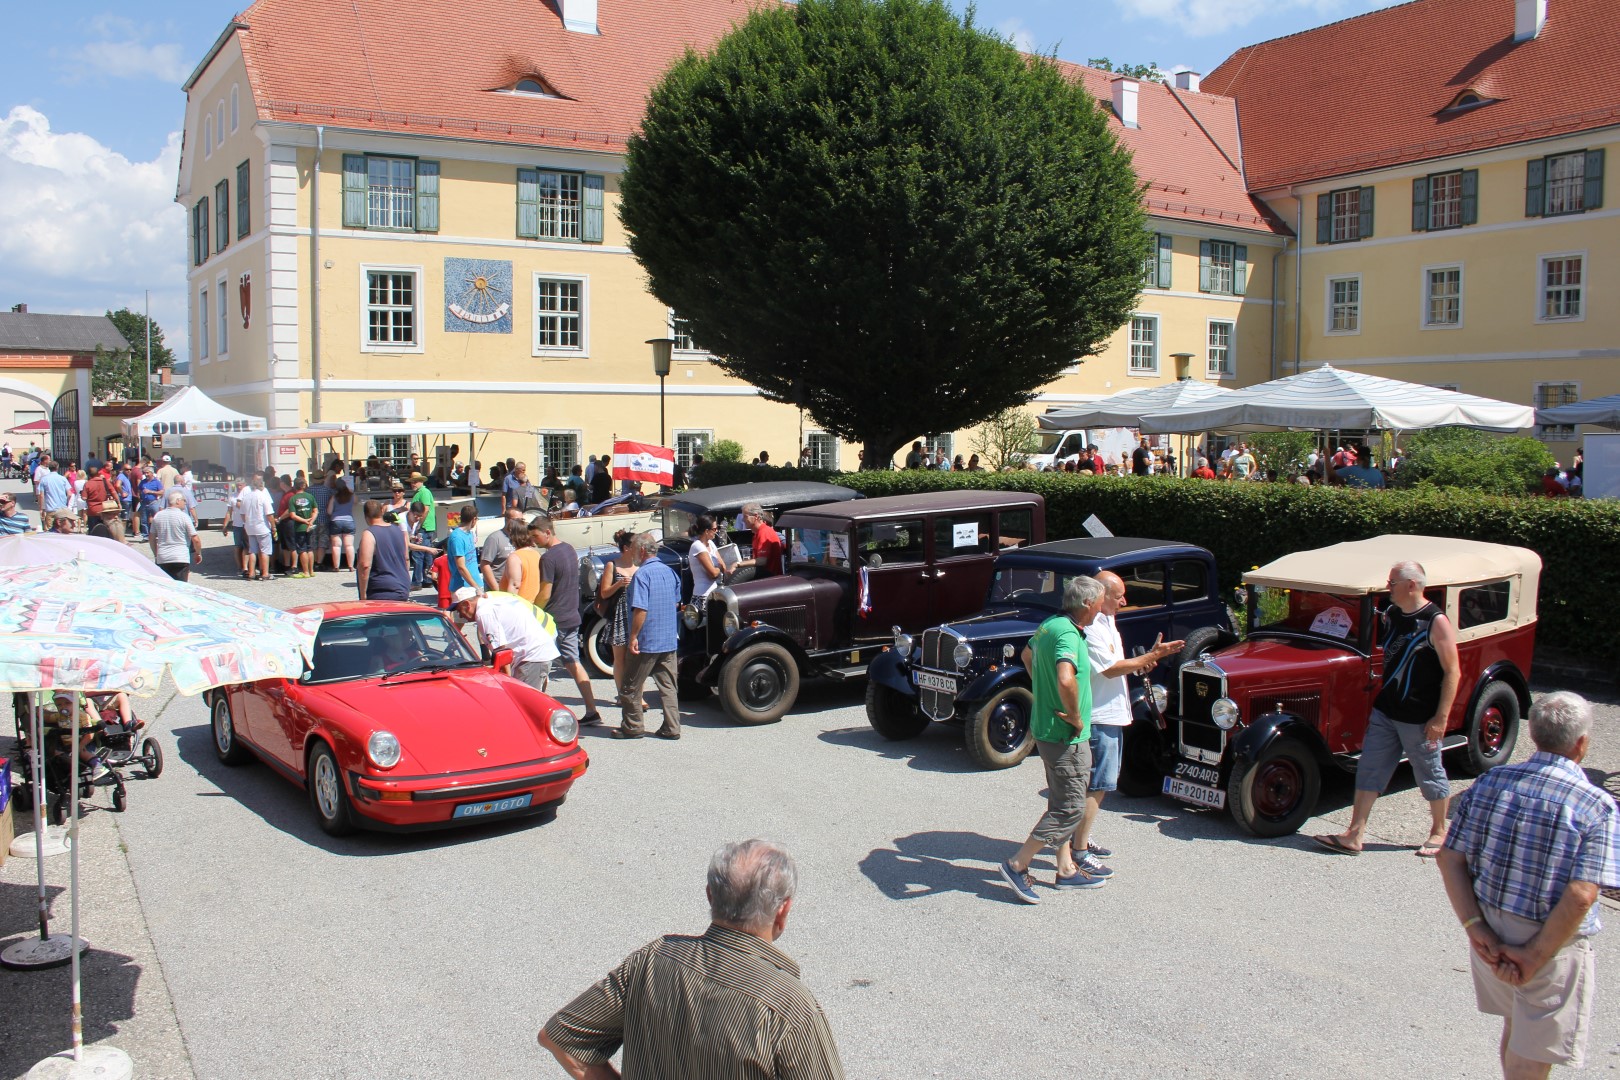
pixel 1125 91
pixel 20 309
pixel 1529 16
pixel 1188 81
pixel 579 16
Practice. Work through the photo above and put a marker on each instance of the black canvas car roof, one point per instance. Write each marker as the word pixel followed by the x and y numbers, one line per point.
pixel 768 493
pixel 1103 547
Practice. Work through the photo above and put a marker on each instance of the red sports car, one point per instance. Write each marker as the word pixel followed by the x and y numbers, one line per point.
pixel 399 725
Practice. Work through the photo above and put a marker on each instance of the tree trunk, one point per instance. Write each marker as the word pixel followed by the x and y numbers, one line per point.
pixel 877 453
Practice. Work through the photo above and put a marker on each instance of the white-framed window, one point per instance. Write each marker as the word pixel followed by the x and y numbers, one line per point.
pixel 560 205
pixel 1344 305
pixel 391 298
pixel 1445 200
pixel 823 449
pixel 1566 183
pixel 1550 395
pixel 559 450
pixel 219 121
pixel 1563 288
pixel 236 109
pixel 1221 359
pixel 390 193
pixel 1442 297
pixel 1346 215
pixel 932 444
pixel 1221 264
pixel 208 136
pixel 689 443
pixel 393 451
pixel 1144 345
pixel 561 326
pixel 204 314
pixel 222 305
pixel 680 331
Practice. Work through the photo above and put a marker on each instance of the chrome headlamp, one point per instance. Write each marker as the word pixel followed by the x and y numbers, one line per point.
pixel 902 644
pixel 564 727
pixel 1225 713
pixel 383 749
pixel 1161 696
pixel 962 655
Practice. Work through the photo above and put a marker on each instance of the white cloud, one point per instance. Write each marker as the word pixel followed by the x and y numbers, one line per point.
pixel 120 51
pixel 1201 18
pixel 1015 31
pixel 83 229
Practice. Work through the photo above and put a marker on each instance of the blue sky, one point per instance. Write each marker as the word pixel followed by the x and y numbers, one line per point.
pixel 90 110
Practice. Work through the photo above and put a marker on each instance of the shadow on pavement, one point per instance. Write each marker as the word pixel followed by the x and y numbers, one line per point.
pixel 939 749
pixel 930 863
pixel 284 805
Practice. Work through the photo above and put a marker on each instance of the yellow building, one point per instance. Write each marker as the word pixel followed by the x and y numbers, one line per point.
pixel 424 211
pixel 45 367
pixel 1451 210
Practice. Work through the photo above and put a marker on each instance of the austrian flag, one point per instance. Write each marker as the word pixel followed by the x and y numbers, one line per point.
pixel 643 461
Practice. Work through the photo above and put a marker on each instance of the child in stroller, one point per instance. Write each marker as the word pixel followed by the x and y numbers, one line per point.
pixel 106 744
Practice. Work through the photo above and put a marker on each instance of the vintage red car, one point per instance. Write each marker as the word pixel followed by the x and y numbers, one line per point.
pixel 1255 724
pixel 398 724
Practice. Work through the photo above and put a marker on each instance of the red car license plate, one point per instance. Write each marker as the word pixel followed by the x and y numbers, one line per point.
pixel 494 806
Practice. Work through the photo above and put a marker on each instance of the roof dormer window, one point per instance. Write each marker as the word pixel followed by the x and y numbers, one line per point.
pixel 1468 100
pixel 531 86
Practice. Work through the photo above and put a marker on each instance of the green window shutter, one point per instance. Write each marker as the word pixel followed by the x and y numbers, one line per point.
pixel 427 196
pixel 1470 196
pixel 222 214
pixel 1420 204
pixel 242 215
pixel 1164 261
pixel 1324 219
pixel 1203 266
pixel 1240 269
pixel 202 230
pixel 1366 213
pixel 1535 180
pixel 354 191
pixel 528 204
pixel 196 233
pixel 591 204
pixel 1594 180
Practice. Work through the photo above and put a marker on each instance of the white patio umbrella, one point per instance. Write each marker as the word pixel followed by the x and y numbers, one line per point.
pixel 75 626
pixel 1599 411
pixel 1127 407
pixel 1329 398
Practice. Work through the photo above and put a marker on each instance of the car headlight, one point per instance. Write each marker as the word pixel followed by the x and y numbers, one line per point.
pixel 383 749
pixel 962 655
pixel 564 727
pixel 902 645
pixel 692 616
pixel 1008 651
pixel 1161 696
pixel 1225 713
pixel 731 624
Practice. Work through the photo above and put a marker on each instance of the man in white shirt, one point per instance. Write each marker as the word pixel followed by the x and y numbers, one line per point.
pixel 506 621
pixel 1110 712
pixel 258 512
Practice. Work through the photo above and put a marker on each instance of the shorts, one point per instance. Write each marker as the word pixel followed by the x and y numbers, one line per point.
pixel 1107 751
pixel 239 536
pixel 568 646
pixel 259 543
pixel 1068 768
pixel 532 673
pixel 1551 1014
pixel 1381 751
pixel 178 570
pixel 301 541
pixel 341 526
pixel 321 534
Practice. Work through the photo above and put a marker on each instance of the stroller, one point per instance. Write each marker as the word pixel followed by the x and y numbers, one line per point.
pixel 112 744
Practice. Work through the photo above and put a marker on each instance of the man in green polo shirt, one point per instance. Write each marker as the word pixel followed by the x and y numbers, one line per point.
pixel 421 494
pixel 1060 719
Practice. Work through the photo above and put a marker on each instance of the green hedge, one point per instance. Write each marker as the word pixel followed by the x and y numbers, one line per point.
pixel 1249 524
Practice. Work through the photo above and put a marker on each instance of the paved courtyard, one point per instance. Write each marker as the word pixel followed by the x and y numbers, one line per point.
pixel 235 939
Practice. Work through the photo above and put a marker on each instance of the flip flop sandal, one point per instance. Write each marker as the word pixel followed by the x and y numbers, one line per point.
pixel 1335 845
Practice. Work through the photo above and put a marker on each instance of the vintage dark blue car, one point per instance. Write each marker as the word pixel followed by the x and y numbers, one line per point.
pixel 968 672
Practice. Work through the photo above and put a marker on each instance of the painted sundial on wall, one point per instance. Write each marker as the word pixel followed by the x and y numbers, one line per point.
pixel 477 296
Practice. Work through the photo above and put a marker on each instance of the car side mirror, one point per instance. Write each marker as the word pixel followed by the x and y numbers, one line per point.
pixel 502 661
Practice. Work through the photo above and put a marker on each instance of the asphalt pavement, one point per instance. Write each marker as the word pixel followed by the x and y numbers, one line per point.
pixel 259 947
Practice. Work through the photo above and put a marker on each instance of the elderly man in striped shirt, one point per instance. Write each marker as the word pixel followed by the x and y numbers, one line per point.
pixel 1529 847
pixel 724 1006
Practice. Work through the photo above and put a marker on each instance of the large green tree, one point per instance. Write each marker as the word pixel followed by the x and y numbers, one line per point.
pixel 120 374
pixel 874 211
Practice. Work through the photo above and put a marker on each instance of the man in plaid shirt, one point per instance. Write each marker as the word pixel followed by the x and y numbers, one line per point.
pixel 1529 847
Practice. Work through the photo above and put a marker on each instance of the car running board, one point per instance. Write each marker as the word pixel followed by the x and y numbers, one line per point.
pixel 844 674
pixel 1451 742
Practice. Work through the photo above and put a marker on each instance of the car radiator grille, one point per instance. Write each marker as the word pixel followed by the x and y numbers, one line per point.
pixel 1195 705
pixel 789 620
pixel 715 627
pixel 1308 707
pixel 934 655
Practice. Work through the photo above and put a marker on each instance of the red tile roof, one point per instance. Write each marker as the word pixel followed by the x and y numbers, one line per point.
pixel 1371 91
pixel 428 67
pixel 1185 149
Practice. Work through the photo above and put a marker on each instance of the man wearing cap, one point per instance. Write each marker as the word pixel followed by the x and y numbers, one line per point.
pixel 420 495
pixel 12 519
pixel 506 621
pixel 168 473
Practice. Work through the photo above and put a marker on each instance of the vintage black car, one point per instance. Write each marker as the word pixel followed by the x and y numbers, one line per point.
pixel 968 672
pixel 855 572
pixel 673 516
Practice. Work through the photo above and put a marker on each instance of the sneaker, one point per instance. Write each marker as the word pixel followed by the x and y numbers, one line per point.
pixel 97 769
pixel 1094 866
pixel 590 719
pixel 1098 850
pixel 1080 880
pixel 1023 883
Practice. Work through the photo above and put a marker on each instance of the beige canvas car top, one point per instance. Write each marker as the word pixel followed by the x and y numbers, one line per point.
pixel 1358 567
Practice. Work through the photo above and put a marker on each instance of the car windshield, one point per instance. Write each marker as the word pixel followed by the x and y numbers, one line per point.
pixel 1029 585
pixel 818 547
pixel 678 522
pixel 370 646
pixel 1300 611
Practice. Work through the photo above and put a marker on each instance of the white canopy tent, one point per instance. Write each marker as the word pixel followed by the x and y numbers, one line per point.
pixel 1331 399
pixel 1125 408
pixel 1601 411
pixel 191 412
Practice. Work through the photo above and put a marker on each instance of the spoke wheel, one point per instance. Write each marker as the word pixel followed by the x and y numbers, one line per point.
pixel 226 745
pixel 1274 795
pixel 1493 729
pixel 326 792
